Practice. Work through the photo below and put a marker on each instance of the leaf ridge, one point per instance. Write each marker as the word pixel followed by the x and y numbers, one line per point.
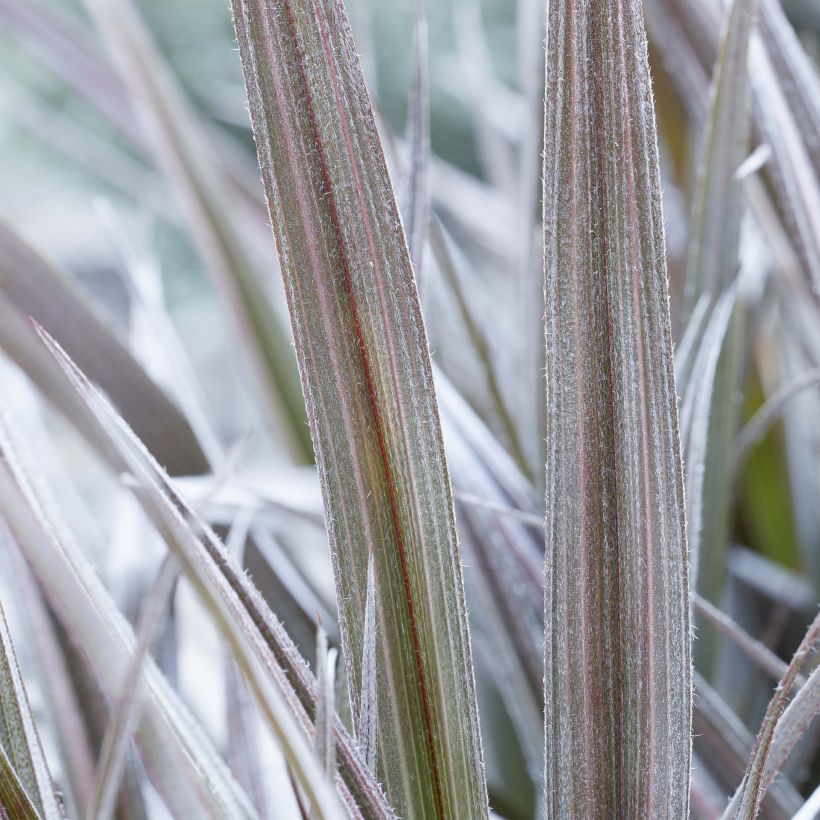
pixel 377 421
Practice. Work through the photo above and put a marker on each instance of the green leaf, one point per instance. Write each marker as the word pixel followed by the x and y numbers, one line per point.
pixel 368 385
pixel 710 414
pixel 618 669
pixel 715 225
pixel 24 777
pixel 13 797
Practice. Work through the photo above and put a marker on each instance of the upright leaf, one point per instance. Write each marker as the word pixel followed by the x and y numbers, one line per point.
pixel 416 206
pixel 618 676
pixel 709 411
pixel 366 375
pixel 188 158
pixel 715 224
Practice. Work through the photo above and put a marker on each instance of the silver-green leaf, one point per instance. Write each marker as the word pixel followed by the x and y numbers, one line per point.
pixel 618 669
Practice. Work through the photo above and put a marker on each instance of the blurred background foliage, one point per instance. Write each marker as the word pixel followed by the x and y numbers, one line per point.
pixel 82 189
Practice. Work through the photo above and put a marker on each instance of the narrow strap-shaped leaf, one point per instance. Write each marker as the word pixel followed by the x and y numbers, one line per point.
pixel 14 802
pixel 186 155
pixel 416 210
pixel 366 720
pixel 757 426
pixel 180 759
pixel 163 504
pixel 366 375
pixel 757 652
pixel 703 418
pixel 745 803
pixel 31 287
pixel 211 570
pixel 618 676
pixel 780 114
pixel 792 726
pixel 715 223
pixel 709 414
pixel 19 741
pixel 722 738
pixel 123 721
pixel 324 742
pixel 798 77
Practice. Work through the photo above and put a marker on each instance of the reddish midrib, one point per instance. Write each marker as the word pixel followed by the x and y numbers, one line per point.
pixel 439 797
pixel 596 33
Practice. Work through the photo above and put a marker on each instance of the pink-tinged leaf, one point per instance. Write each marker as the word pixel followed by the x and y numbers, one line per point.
pixel 618 669
pixel 723 740
pixel 746 800
pixel 25 781
pixel 283 687
pixel 794 723
pixel 367 380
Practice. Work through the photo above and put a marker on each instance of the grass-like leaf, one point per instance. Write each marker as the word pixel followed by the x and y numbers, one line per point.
pixel 416 206
pixel 705 418
pixel 182 762
pixel 715 223
pixel 793 724
pixel 244 620
pixel 368 385
pixel 115 745
pixel 31 288
pixel 26 782
pixel 709 411
pixel 746 800
pixel 617 602
pixel 724 739
pixel 188 158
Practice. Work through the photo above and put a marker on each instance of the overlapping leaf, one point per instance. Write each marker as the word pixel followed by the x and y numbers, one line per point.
pixel 31 288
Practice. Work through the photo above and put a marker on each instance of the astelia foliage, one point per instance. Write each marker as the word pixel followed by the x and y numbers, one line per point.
pixel 618 673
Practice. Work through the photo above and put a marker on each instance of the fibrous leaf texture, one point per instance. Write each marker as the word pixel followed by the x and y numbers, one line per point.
pixel 368 386
pixel 25 782
pixel 618 676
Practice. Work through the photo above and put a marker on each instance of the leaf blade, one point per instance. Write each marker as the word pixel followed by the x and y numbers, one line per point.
pixel 368 386
pixel 617 607
pixel 31 288
pixel 19 741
